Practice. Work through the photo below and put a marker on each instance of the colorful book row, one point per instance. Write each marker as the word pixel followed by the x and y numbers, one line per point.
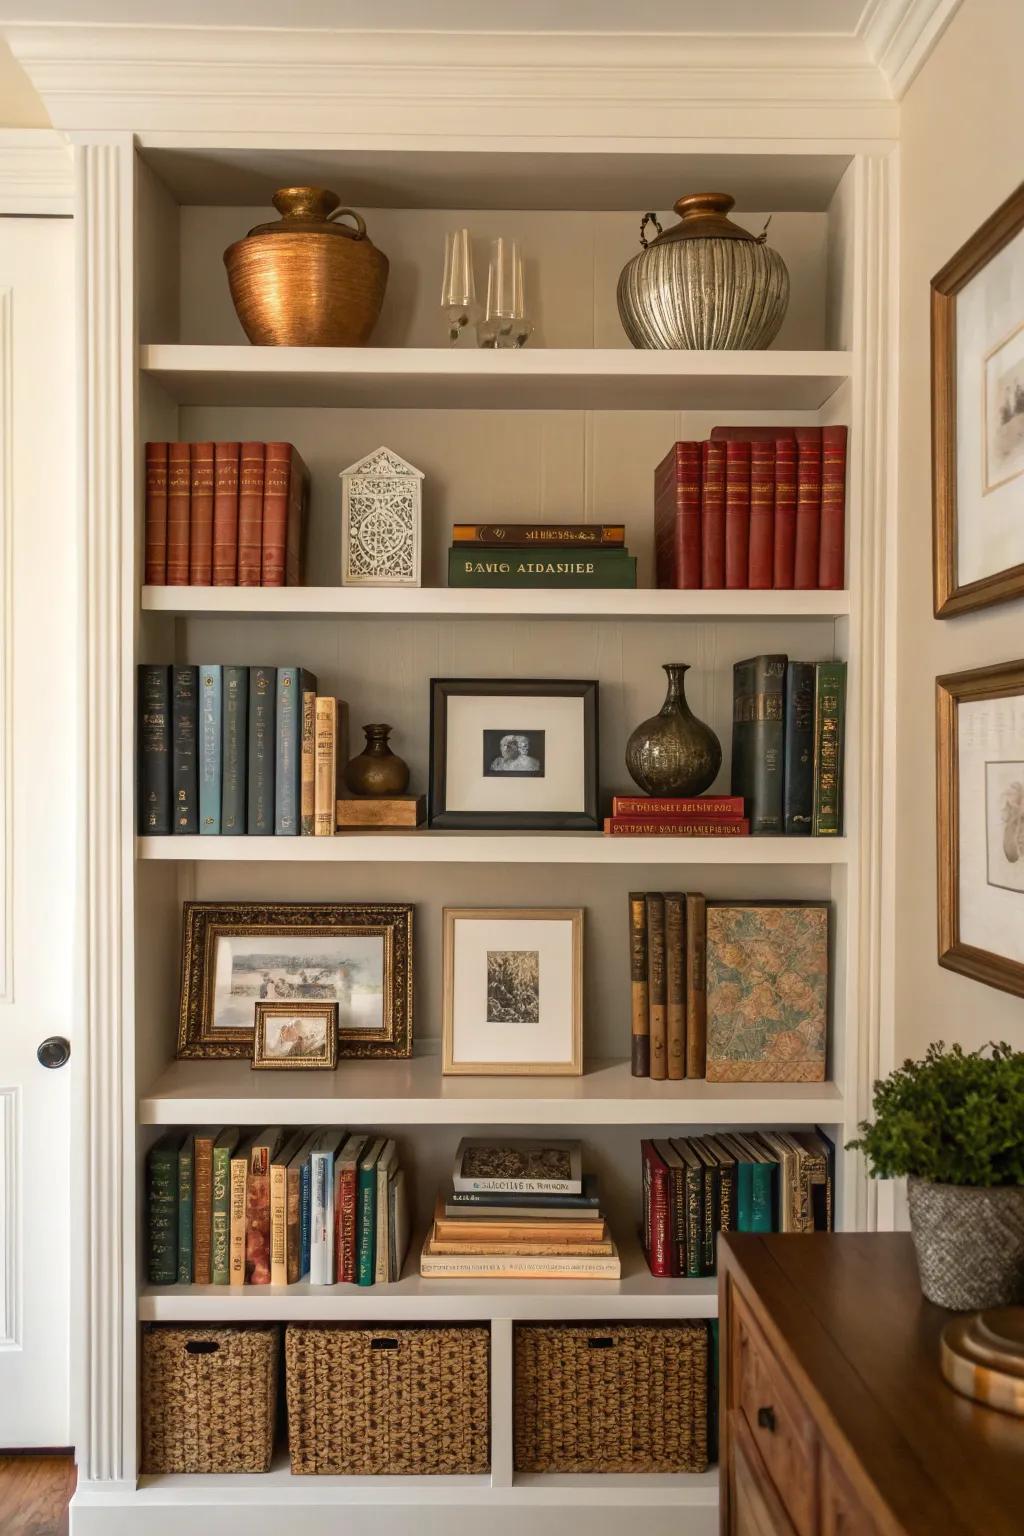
pixel 788 731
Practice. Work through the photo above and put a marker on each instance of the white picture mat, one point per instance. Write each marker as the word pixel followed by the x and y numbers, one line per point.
pixel 473 1038
pixel 991 917
pixel 563 786
pixel 990 527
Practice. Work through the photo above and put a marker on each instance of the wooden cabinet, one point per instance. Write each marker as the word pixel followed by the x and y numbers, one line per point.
pixel 756 1509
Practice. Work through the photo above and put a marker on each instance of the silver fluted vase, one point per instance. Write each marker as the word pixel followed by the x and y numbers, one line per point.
pixel 703 285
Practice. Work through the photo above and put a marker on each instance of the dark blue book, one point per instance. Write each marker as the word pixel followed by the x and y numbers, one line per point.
pixel 235 750
pixel 798 750
pixel 757 740
pixel 154 749
pixel 210 750
pixel 262 750
pixel 184 735
pixel 305 1215
pixel 292 683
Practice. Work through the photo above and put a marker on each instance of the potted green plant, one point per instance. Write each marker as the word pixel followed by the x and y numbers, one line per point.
pixel 953 1124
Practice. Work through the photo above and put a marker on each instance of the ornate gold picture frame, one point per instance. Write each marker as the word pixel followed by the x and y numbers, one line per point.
pixel 295 1037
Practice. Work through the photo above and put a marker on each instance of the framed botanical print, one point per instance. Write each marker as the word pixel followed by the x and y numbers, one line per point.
pixel 978 417
pixel 980 771
pixel 236 955
pixel 513 754
pixel 513 990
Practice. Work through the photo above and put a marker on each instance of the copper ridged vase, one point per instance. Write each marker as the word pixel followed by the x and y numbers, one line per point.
pixel 674 753
pixel 305 281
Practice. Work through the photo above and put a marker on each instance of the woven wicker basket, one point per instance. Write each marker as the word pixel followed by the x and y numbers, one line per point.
pixel 628 1398
pixel 363 1401
pixel 209 1399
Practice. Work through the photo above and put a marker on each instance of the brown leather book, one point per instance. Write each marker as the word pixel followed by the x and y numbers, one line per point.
pixel 200 547
pixel 675 986
pixel 179 484
pixel 225 514
pixel 656 983
pixel 202 1207
pixel 284 493
pixel 639 986
pixel 832 547
pixel 250 514
pixel 696 986
pixel 156 514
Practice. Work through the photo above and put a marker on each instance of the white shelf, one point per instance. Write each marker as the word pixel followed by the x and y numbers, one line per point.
pixel 550 378
pixel 438 847
pixel 415 1092
pixel 475 603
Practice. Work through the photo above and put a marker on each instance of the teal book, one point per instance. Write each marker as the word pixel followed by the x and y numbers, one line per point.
pixel 186 1208
pixel 532 567
pixel 162 1209
pixel 366 1195
pixel 764 1188
pixel 210 749
pixel 262 751
pixel 234 753
pixel 292 683
pixel 220 1215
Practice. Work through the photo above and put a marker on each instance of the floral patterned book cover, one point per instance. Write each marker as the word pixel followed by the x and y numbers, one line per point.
pixel 767 992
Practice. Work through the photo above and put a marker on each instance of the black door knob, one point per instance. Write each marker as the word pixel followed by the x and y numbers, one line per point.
pixel 54 1051
pixel 766 1419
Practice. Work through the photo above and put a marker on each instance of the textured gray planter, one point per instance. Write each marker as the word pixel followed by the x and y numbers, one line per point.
pixel 970 1243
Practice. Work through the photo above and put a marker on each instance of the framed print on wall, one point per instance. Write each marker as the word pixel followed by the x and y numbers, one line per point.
pixel 513 754
pixel 980 772
pixel 513 990
pixel 978 417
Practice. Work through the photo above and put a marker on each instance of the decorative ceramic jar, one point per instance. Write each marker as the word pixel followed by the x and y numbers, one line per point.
pixel 381 512
pixel 703 285
pixel 305 281
pixel 377 770
pixel 674 753
pixel 969 1242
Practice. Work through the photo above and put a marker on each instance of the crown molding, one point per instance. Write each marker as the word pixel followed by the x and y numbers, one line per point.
pixel 37 173
pixel 900 34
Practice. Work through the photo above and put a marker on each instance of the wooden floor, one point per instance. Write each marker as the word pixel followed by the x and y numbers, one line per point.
pixel 34 1494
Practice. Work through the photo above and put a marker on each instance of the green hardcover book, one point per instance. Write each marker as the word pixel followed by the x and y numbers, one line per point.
pixel 757 740
pixel 829 727
pixel 694 1194
pixel 367 1197
pixel 541 568
pixel 162 1209
pixel 220 1223
pixel 186 1208
pixel 764 1184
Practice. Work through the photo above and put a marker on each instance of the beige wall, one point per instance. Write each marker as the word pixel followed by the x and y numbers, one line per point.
pixel 20 107
pixel 962 153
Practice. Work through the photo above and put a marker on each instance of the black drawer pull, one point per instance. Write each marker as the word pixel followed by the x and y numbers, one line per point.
pixel 766 1419
pixel 383 1343
pixel 202 1347
pixel 601 1343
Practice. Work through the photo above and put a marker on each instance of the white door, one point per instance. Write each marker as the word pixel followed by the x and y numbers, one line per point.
pixel 39 781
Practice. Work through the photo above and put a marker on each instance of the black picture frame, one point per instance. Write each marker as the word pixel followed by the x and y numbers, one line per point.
pixel 439 815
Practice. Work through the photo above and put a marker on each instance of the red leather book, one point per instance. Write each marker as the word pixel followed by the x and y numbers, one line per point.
pixel 277 478
pixel 832 548
pixel 712 515
pixel 785 512
pixel 225 514
pixel 295 536
pixel 156 514
pixel 657 1211
pixel 179 481
pixel 250 514
pixel 737 513
pixel 677 533
pixel 751 434
pixel 762 514
pixel 649 806
pixel 200 547
pixel 808 507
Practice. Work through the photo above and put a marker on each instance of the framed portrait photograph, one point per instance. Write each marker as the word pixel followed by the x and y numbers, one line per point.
pixel 292 1036
pixel 355 955
pixel 978 417
pixel 513 754
pixel 513 990
pixel 980 771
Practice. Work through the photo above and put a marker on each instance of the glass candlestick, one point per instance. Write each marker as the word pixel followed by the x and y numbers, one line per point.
pixel 458 288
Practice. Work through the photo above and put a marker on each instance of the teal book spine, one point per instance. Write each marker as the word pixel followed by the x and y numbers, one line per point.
pixel 367 1225
pixel 762 1203
pixel 234 755
pixel 210 750
pixel 292 683
pixel 744 1197
pixel 186 1209
pixel 262 750
pixel 537 568
pixel 162 1211
pixel 220 1218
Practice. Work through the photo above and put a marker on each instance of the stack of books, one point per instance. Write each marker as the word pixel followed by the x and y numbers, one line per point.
pixel 654 816
pixel 697 1186
pixel 550 555
pixel 519 1210
pixel 787 745
pixel 225 514
pixel 224 1208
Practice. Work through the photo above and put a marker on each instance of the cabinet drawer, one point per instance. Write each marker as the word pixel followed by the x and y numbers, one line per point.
pixel 779 1425
pixel 842 1513
pixel 755 1508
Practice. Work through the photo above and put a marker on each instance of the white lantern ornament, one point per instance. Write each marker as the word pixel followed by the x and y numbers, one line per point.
pixel 381 517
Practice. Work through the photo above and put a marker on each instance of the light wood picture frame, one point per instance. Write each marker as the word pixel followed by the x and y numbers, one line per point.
pixel 980 803
pixel 277 1037
pixel 513 991
pixel 962 428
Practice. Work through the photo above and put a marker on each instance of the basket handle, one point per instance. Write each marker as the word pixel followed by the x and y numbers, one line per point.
pixel 202 1347
pixel 601 1341
pixel 383 1343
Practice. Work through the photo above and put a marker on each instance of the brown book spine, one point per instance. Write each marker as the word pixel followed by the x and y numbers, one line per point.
pixel 200 545
pixel 832 547
pixel 607 535
pixel 325 747
pixel 156 514
pixel 696 985
pixel 250 514
pixel 277 477
pixel 225 514
pixel 656 983
pixel 307 766
pixel 179 481
pixel 202 1207
pixel 292 1195
pixel 295 530
pixel 257 1217
pixel 639 986
pixel 675 986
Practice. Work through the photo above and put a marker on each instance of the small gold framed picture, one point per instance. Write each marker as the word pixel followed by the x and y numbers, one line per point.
pixel 295 1036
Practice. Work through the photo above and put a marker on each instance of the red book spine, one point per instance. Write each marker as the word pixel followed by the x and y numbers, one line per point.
pixel 347 1202
pixel 179 480
pixel 677 517
pixel 200 549
pixel 659 1243
pixel 225 514
pixel 250 514
pixel 277 477
pixel 295 537
pixel 666 826
pixel 785 512
pixel 695 805
pixel 686 820
pixel 666 478
pixel 832 548
pixel 808 507
pixel 737 513
pixel 156 514
pixel 713 515
pixel 762 513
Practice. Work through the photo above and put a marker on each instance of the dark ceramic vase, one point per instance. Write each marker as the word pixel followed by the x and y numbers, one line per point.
pixel 377 770
pixel 674 753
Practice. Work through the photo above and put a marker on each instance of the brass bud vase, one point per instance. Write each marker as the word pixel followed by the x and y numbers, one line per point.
pixel 674 753
pixel 377 770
